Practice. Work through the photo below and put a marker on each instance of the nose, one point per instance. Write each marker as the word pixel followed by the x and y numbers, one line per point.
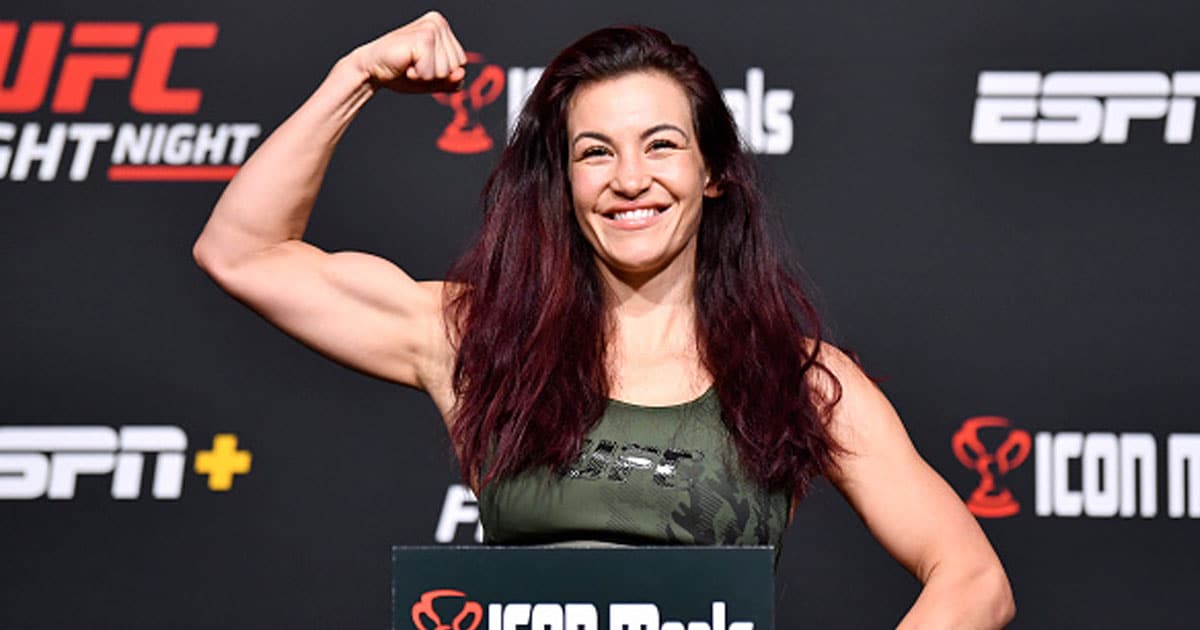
pixel 631 177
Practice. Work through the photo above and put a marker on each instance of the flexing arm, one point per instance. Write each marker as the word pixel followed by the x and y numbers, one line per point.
pixel 913 512
pixel 358 309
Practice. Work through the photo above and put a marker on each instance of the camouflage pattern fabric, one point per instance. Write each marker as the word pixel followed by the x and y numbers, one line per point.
pixel 646 475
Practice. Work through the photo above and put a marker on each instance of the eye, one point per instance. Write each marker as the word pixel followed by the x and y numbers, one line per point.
pixel 593 151
pixel 659 144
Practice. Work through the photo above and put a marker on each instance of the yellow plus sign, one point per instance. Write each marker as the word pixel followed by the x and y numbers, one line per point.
pixel 222 462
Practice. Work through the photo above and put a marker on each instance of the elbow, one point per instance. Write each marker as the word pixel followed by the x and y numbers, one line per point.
pixel 1002 607
pixel 207 256
pixel 1008 610
pixel 218 253
pixel 964 597
pixel 200 254
pixel 215 259
pixel 983 599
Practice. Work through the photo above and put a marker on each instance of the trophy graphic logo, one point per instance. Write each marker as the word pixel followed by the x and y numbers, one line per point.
pixel 991 499
pixel 423 610
pixel 465 134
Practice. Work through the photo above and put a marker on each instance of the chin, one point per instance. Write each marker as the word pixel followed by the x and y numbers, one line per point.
pixel 635 264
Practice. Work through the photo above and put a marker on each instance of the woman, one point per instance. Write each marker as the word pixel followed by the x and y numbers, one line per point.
pixel 621 356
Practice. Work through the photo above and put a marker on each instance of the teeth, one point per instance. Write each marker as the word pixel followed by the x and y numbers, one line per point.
pixel 633 215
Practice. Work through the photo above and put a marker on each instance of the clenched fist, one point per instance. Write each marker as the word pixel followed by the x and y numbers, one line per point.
pixel 421 56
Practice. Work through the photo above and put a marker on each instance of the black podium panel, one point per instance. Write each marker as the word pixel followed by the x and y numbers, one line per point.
pixel 546 588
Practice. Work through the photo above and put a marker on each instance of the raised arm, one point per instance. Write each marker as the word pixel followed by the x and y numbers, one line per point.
pixel 355 308
pixel 913 512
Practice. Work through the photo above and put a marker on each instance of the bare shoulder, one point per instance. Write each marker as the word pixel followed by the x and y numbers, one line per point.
pixel 840 371
pixel 840 377
pixel 863 421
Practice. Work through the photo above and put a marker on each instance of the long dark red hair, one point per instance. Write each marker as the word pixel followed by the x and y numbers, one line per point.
pixel 529 311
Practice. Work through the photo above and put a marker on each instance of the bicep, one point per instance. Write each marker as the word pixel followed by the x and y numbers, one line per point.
pixel 355 308
pixel 913 513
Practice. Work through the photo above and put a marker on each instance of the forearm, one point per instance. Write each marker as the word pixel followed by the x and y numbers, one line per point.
pixel 951 599
pixel 270 199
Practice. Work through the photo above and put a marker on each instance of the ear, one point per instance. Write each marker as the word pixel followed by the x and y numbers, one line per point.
pixel 712 189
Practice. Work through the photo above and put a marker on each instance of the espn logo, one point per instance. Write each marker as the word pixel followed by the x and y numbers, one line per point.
pixel 1082 107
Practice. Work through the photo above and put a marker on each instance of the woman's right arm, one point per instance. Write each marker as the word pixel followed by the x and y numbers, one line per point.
pixel 356 308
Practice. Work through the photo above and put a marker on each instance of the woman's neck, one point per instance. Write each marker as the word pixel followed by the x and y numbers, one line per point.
pixel 635 293
pixel 653 314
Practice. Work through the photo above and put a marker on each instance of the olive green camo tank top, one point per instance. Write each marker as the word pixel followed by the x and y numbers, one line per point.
pixel 645 476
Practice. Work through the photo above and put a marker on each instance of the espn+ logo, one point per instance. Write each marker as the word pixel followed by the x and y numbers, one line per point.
pixel 88 54
pixel 1077 474
pixel 449 609
pixel 1082 107
pixel 48 461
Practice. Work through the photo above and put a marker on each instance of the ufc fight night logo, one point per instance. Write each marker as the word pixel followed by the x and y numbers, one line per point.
pixel 1083 107
pixel 55 66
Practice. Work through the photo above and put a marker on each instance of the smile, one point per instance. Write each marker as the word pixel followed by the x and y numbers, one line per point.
pixel 633 218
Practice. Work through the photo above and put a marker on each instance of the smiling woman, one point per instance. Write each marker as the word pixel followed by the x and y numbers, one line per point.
pixel 637 174
pixel 624 354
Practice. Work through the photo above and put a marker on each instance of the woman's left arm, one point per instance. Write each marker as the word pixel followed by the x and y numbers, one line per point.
pixel 912 511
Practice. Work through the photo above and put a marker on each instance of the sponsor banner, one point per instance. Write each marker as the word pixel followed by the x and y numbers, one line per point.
pixel 920 206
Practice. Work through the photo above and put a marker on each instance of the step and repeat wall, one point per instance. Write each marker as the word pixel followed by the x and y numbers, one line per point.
pixel 997 203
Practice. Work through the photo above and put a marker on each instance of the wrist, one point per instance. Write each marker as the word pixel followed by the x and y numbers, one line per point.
pixel 352 72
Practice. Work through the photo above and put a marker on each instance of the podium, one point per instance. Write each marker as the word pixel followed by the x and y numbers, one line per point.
pixel 582 588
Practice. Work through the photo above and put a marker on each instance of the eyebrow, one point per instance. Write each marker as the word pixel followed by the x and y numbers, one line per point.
pixel 645 134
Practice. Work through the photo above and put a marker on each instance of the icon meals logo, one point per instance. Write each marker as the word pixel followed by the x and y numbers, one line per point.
pixel 1095 474
pixel 103 52
pixel 763 116
pixel 1082 107
pixel 438 605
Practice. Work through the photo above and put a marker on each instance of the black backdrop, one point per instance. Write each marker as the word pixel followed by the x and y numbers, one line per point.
pixel 1047 283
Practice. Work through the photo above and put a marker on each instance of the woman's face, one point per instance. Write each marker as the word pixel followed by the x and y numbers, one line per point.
pixel 637 177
